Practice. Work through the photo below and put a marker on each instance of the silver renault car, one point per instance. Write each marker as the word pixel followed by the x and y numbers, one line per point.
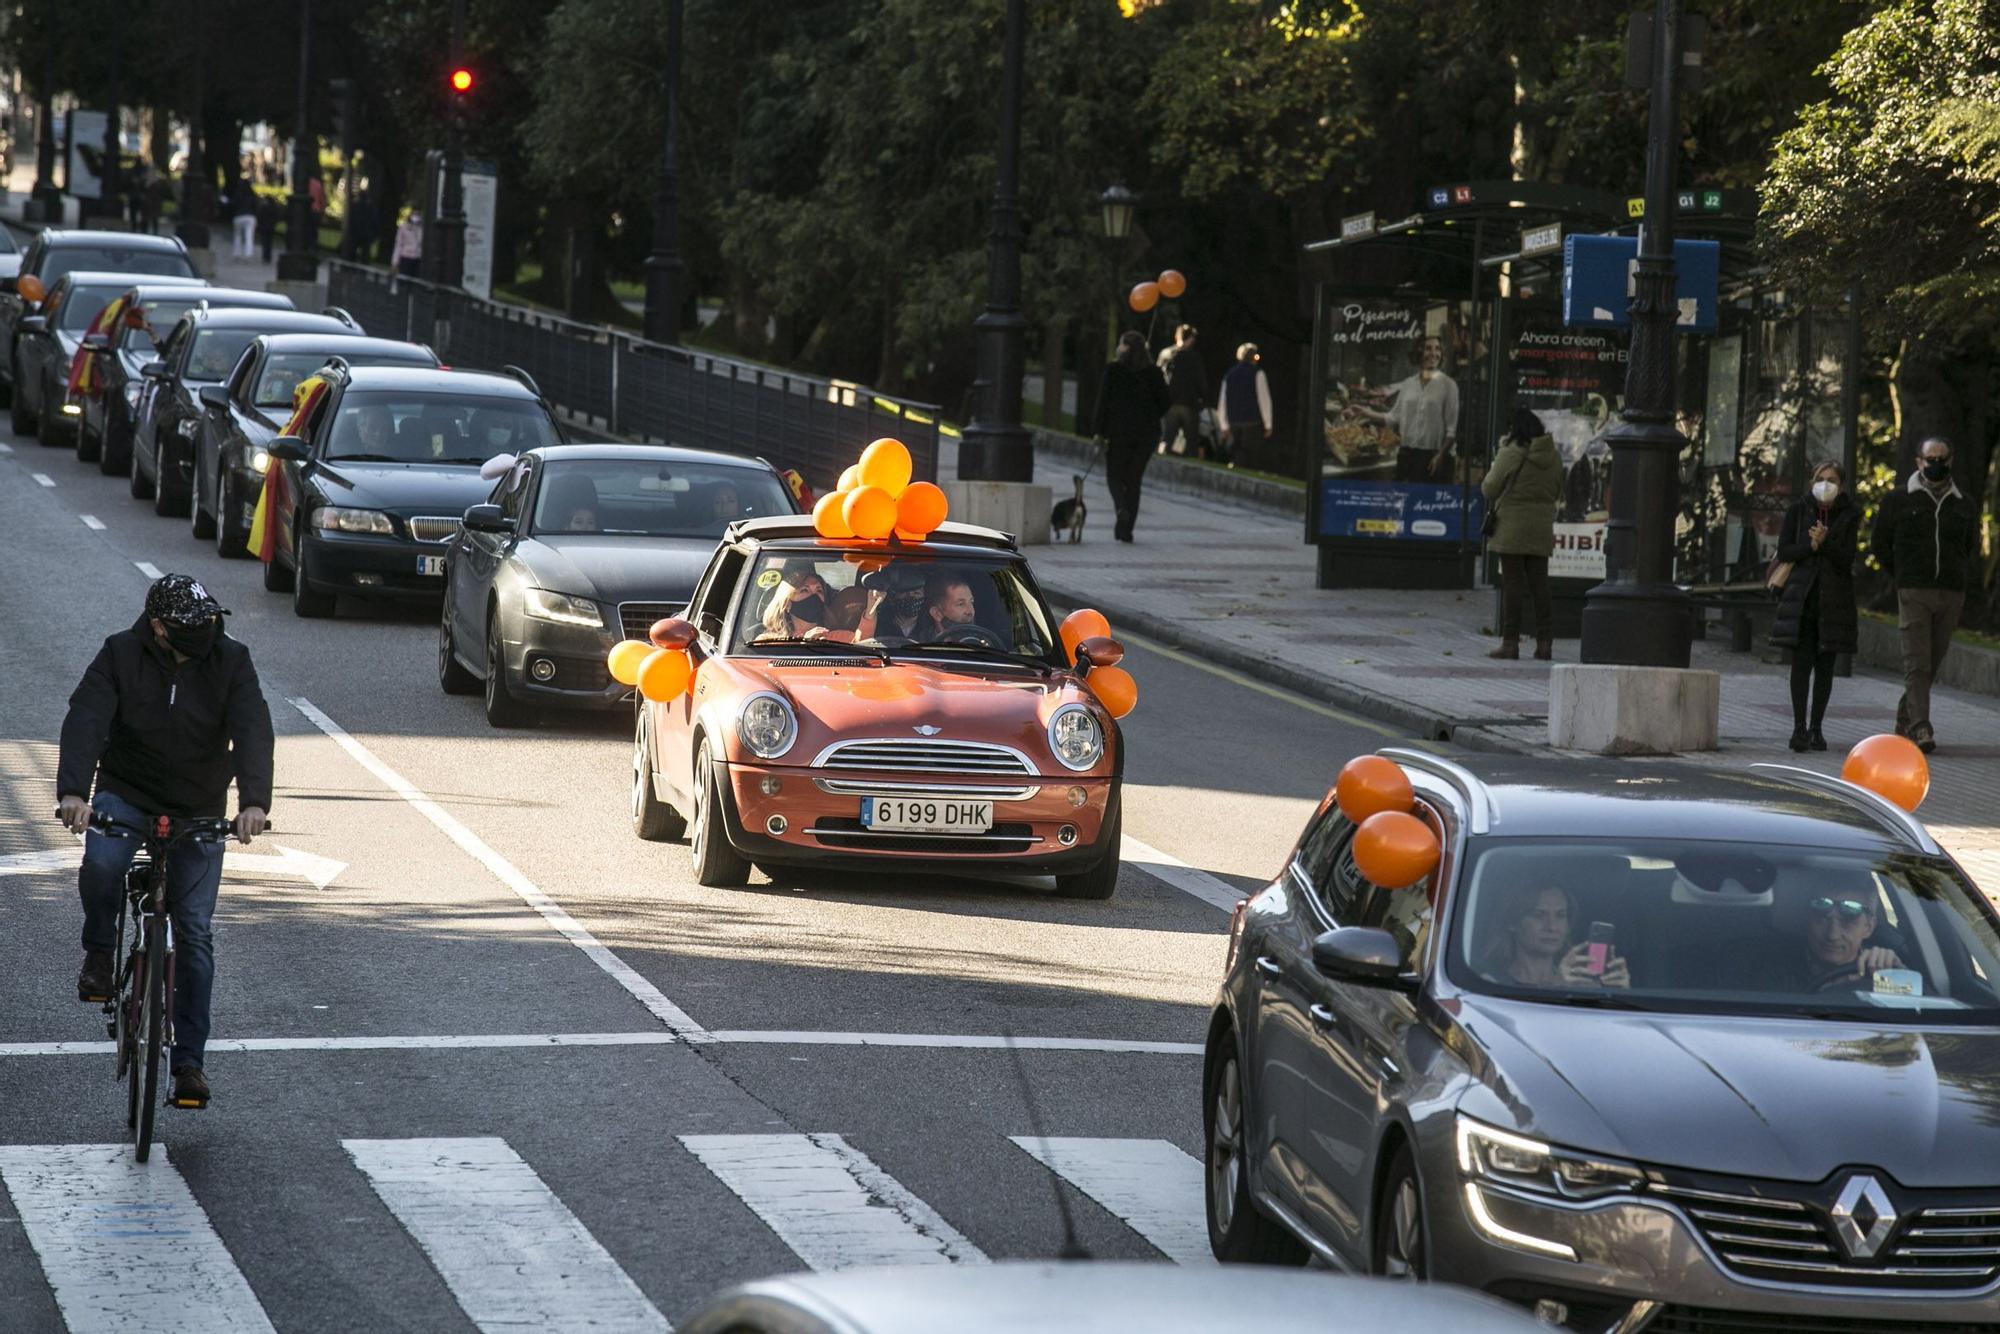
pixel 1653 1048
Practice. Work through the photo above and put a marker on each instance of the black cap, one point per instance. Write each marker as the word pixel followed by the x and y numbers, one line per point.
pixel 179 599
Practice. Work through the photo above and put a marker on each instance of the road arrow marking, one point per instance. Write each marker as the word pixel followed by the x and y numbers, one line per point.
pixel 288 861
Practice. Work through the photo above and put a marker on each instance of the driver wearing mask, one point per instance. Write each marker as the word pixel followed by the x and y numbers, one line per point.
pixel 947 604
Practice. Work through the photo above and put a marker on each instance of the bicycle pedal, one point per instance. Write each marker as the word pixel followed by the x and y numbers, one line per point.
pixel 187 1104
pixel 92 998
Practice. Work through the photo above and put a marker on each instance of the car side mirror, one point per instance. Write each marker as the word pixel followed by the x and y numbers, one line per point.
pixel 289 448
pixel 488 519
pixel 1367 956
pixel 1099 651
pixel 673 632
pixel 215 396
pixel 31 288
pixel 96 342
pixel 33 324
pixel 154 370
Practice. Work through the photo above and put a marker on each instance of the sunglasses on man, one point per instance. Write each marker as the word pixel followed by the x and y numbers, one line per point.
pixel 1846 909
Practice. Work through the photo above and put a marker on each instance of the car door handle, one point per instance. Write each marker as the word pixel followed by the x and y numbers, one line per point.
pixel 1269 967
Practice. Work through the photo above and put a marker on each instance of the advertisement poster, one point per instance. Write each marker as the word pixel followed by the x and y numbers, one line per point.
pixel 478 187
pixel 84 176
pixel 1574 381
pixel 1419 510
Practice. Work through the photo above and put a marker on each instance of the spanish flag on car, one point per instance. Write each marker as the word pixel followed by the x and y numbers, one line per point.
pixel 263 532
pixel 83 373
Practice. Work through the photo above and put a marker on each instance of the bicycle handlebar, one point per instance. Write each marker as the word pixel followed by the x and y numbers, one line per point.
pixel 199 828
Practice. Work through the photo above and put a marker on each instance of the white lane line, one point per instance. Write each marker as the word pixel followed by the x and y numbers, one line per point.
pixel 286 861
pixel 92 522
pixel 43 479
pixel 147 568
pixel 972 1041
pixel 509 875
pixel 1171 869
pixel 124 1244
pixel 648 1038
pixel 1150 1184
pixel 6 449
pixel 513 1254
pixel 829 1202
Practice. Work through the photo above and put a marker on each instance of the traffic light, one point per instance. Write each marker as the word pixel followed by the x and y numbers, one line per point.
pixel 461 80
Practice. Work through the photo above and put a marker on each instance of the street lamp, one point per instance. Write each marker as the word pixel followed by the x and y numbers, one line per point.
pixel 1117 205
pixel 300 261
pixel 663 266
pixel 996 447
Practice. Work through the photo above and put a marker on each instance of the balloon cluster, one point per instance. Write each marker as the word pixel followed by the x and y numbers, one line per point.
pixel 1112 684
pixel 1145 296
pixel 877 499
pixel 662 669
pixel 1890 766
pixel 1392 848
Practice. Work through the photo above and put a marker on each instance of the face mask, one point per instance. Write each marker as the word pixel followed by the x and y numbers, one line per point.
pixel 196 641
pixel 1824 492
pixel 1937 470
pixel 907 604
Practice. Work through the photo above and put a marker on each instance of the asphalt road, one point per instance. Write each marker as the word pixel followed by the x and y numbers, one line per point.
pixel 464 1043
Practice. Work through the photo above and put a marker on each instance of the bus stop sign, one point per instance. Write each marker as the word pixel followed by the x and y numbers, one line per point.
pixel 1599 277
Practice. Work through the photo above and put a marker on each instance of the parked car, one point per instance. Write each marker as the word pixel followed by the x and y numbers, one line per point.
pixel 119 389
pixel 57 251
pixel 1663 1047
pixel 203 348
pixel 10 254
pixel 45 345
pixel 242 415
pixel 371 492
pixel 577 547
pixel 898 707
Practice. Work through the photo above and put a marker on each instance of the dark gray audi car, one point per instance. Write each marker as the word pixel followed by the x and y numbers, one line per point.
pixel 1653 1048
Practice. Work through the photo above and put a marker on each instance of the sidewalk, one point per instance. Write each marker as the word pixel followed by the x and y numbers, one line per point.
pixel 1235 584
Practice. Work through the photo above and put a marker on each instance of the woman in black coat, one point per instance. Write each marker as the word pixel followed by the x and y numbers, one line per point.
pixel 1130 403
pixel 1816 613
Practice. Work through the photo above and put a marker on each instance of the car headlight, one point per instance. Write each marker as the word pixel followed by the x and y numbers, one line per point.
pixel 547 606
pixel 261 461
pixel 1075 737
pixel 334 519
pixel 1508 1159
pixel 767 726
pixel 132 394
pixel 186 428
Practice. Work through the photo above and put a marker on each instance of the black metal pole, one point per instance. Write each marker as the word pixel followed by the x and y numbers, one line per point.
pixel 664 270
pixel 45 153
pixel 1637 616
pixel 301 259
pixel 107 188
pixel 996 447
pixel 451 204
pixel 194 199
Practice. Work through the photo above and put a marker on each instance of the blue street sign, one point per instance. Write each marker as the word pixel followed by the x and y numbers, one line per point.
pixel 1598 278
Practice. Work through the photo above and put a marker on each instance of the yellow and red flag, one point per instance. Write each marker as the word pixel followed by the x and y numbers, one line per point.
pixel 263 532
pixel 83 374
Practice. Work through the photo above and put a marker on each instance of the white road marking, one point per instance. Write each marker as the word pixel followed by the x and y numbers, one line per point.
pixel 124 1244
pixel 648 1038
pixel 829 1202
pixel 43 479
pixel 147 568
pixel 1191 880
pixel 974 1041
pixel 509 875
pixel 92 522
pixel 1150 1184
pixel 6 449
pixel 513 1254
pixel 288 861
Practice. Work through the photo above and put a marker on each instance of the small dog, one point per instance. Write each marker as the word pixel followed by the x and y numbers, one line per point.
pixel 1070 514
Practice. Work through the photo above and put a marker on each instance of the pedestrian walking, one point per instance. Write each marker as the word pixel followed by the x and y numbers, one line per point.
pixel 1244 406
pixel 408 255
pixel 1187 389
pixel 316 204
pixel 267 225
pixel 1816 617
pixel 1924 539
pixel 243 219
pixel 1523 491
pixel 1130 402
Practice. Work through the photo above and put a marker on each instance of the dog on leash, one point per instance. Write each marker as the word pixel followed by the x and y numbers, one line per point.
pixel 1068 515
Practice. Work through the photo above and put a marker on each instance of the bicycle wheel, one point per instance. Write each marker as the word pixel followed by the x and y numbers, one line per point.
pixel 130 997
pixel 153 1026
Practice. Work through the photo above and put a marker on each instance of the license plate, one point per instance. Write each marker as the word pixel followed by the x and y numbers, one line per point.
pixel 430 565
pixel 926 815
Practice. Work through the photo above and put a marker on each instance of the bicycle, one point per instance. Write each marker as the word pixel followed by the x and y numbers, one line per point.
pixel 139 1014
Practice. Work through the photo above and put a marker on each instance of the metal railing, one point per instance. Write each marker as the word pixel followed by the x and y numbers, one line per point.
pixel 642 390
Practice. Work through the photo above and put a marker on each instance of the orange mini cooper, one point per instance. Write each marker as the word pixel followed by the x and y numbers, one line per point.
pixel 889 705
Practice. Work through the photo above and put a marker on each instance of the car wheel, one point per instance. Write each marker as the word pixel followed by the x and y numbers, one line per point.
pixel 1237 1232
pixel 278 578
pixel 232 539
pixel 141 485
pixel 453 678
pixel 50 430
pixel 716 864
pixel 1101 879
pixel 1401 1249
pixel 114 448
pixel 165 503
pixel 18 417
pixel 652 819
pixel 200 521
pixel 502 709
pixel 89 448
pixel 306 602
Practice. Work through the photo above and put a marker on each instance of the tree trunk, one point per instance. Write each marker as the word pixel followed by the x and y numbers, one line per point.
pixel 159 137
pixel 1053 371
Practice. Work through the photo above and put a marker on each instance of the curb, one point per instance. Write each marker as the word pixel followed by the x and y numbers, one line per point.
pixel 1181 478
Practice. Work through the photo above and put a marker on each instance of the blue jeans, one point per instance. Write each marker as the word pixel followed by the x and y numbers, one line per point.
pixel 194 875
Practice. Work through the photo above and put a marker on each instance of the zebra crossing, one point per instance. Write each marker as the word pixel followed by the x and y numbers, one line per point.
pixel 121 1242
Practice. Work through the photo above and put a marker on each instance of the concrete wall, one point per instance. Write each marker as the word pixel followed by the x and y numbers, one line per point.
pixel 1169 472
pixel 1966 667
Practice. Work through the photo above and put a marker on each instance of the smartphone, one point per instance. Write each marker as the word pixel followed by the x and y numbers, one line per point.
pixel 1597 952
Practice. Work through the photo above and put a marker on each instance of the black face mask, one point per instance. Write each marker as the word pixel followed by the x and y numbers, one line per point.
pixel 907 604
pixel 196 641
pixel 1936 470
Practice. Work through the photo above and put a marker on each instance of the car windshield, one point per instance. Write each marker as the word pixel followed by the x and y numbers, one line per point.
pixel 283 371
pixel 915 604
pixel 83 305
pixel 216 352
pixel 73 259
pixel 649 498
pixel 384 427
pixel 1730 928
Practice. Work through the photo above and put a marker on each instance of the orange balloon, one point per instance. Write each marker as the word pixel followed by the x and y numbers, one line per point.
pixel 1890 766
pixel 886 464
pixel 921 508
pixel 1144 297
pixel 870 512
pixel 664 674
pixel 1172 283
pixel 1395 849
pixel 905 535
pixel 1082 624
pixel 672 632
pixel 850 478
pixel 1370 783
pixel 624 660
pixel 1115 688
pixel 830 516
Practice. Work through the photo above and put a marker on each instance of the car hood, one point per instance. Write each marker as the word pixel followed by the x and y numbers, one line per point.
pixel 1791 1099
pixel 403 488
pixel 617 569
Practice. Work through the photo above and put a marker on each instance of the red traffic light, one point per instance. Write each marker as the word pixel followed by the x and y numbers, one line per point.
pixel 461 80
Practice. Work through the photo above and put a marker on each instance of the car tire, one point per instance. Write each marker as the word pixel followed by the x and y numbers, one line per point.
pixel 232 539
pixel 502 709
pixel 306 603
pixel 140 485
pixel 1401 1245
pixel 652 819
pixel 165 503
pixel 50 429
pixel 1237 1232
pixel 200 521
pixel 89 448
pixel 113 458
pixel 278 577
pixel 19 419
pixel 1101 880
pixel 453 678
pixel 717 864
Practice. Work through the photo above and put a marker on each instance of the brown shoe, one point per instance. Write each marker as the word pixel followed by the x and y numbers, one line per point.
pixel 1922 735
pixel 1509 648
pixel 190 1087
pixel 1545 650
pixel 94 981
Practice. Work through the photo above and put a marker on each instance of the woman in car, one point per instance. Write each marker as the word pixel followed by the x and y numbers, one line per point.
pixel 1531 945
pixel 799 605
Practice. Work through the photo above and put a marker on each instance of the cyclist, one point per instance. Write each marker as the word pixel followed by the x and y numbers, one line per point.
pixel 168 712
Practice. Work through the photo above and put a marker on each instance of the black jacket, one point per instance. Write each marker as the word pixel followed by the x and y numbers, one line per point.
pixel 1923 540
pixel 1186 376
pixel 1825 576
pixel 168 736
pixel 1130 404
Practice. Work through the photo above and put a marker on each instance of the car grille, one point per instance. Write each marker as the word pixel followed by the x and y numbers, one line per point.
pixel 837 832
pixel 432 527
pixel 636 618
pixel 580 674
pixel 1702 1320
pixel 924 755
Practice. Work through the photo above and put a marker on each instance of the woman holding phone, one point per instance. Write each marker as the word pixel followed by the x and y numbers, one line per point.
pixel 1533 944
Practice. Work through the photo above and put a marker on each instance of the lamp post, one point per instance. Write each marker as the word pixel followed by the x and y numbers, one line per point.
pixel 108 185
pixel 300 262
pixel 1637 616
pixel 448 266
pixel 1116 207
pixel 46 194
pixel 663 266
pixel 996 447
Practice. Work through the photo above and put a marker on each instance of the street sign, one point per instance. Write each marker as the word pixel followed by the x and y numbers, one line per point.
pixel 1598 282
pixel 1541 240
pixel 1355 227
pixel 478 187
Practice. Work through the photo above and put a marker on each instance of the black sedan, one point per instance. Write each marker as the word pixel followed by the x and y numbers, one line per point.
pixel 241 416
pixel 46 344
pixel 372 489
pixel 203 348
pixel 117 396
pixel 577 547
pixel 57 251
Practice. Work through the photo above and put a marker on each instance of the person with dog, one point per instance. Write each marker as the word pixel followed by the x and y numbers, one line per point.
pixel 1130 402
